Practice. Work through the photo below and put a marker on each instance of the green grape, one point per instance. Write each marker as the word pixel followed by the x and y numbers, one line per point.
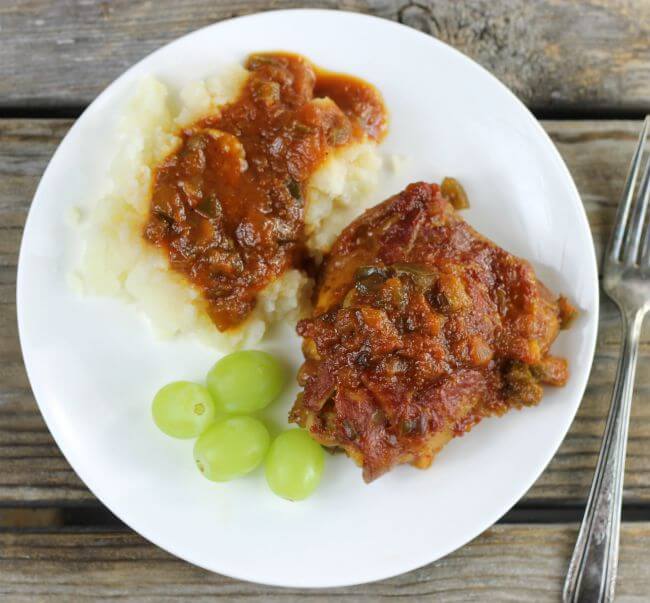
pixel 182 409
pixel 245 381
pixel 231 448
pixel 294 465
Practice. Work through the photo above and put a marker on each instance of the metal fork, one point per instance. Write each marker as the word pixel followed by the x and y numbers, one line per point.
pixel 626 279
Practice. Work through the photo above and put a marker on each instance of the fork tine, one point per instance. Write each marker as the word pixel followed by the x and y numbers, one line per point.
pixel 616 238
pixel 645 247
pixel 635 230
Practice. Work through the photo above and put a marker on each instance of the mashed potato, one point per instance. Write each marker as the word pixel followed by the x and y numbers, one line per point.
pixel 117 261
pixel 338 192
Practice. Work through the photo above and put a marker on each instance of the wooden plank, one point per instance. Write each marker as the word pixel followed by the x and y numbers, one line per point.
pixel 31 466
pixel 507 563
pixel 32 471
pixel 569 55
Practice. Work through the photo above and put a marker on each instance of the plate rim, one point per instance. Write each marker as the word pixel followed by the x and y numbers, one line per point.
pixel 591 328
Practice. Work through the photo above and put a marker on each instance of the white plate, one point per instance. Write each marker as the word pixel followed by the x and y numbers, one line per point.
pixel 94 364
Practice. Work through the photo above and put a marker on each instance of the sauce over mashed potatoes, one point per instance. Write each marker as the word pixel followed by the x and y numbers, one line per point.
pixel 227 205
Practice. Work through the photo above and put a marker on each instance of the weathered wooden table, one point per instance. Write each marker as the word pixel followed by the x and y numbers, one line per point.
pixel 582 66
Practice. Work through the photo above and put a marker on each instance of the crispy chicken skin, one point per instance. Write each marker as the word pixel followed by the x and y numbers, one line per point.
pixel 421 328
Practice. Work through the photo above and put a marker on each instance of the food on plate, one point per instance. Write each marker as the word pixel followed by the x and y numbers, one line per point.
pixel 453 191
pixel 227 206
pixel 213 214
pixel 245 381
pixel 215 220
pixel 231 447
pixel 294 465
pixel 421 328
pixel 183 409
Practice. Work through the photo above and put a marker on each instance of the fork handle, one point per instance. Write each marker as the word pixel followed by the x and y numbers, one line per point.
pixel 592 570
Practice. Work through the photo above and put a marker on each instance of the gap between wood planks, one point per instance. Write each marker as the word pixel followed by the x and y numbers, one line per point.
pixel 37 517
pixel 596 114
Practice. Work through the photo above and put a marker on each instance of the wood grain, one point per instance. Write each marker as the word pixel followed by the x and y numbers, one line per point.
pixel 32 470
pixel 26 446
pixel 562 55
pixel 523 563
